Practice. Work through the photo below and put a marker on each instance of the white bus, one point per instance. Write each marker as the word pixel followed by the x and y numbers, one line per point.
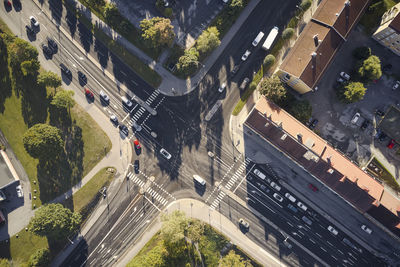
pixel 199 180
pixel 270 39
pixel 258 39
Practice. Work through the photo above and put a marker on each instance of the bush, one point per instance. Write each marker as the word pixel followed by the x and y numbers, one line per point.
pixel 305 4
pixel 168 12
pixel 370 69
pixel 41 258
pixel 362 52
pixel 269 61
pixel 287 33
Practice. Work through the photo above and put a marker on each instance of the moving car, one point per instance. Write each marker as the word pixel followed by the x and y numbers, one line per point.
pixel 127 103
pixel 290 197
pixel 65 70
pixel 136 126
pixel 366 229
pixel 302 206
pixel 47 51
pixel 52 44
pixel 124 129
pixel 246 55
pixel 355 118
pixel 292 208
pixel 312 187
pixel 275 186
pixel 278 197
pixel 7 4
pixel 82 77
pixel 345 76
pixel 348 242
pixel 34 21
pixel 332 230
pixel 222 87
pixel 306 220
pixel 365 125
pixel 114 119
pixel 396 85
pixel 136 166
pixel 259 174
pixel 104 97
pixel 165 153
pixel 89 94
pixel 20 193
pixel 234 70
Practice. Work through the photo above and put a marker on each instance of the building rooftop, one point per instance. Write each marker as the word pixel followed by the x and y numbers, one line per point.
pixel 395 24
pixel 390 124
pixel 6 176
pixel 320 159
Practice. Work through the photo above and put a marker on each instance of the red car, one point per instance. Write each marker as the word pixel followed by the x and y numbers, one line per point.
pixel 7 3
pixel 137 144
pixel 313 187
pixel 89 94
pixel 391 144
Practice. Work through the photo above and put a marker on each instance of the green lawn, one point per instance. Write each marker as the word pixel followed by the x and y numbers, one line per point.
pixel 142 69
pixel 386 177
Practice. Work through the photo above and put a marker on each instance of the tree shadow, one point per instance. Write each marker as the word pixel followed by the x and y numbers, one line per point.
pixel 71 17
pixel 56 8
pixel 102 53
pixel 34 103
pixel 5 81
pixel 85 35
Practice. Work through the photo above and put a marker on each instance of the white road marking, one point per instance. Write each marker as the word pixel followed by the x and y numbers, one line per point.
pixel 318 234
pixel 340 252
pixel 312 241
pixel 323 249
pixel 289 223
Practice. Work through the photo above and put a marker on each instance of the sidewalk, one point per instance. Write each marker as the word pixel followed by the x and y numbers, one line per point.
pixel 201 211
pixel 171 85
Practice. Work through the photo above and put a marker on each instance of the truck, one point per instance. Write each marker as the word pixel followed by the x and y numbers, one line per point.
pixel 270 38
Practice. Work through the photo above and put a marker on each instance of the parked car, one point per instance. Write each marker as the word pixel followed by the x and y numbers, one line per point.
pixel 340 80
pixel 264 188
pixel 222 87
pixel 244 83
pixel 7 4
pixel 275 186
pixel 20 193
pixel 243 224
pixel 313 124
pixel 391 144
pixel 34 21
pixel 355 118
pixel 124 129
pixel 278 197
pixel 302 206
pixel 165 153
pixel 365 124
pixel 306 220
pixel 234 70
pixel 292 208
pixel 366 229
pixel 345 76
pixel 114 119
pixel 396 85
pixel 312 187
pixel 380 113
pixel 246 55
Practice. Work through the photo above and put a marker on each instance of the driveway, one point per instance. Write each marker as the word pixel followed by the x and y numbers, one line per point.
pixel 334 117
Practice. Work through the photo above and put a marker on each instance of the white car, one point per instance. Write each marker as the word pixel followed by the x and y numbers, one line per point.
pixel 246 55
pixel 366 229
pixel 222 87
pixel 345 76
pixel 355 118
pixel 34 21
pixel 165 153
pixel 302 206
pixel 278 197
pixel 259 174
pixel 20 193
pixel 332 230
pixel 396 85
pixel 275 186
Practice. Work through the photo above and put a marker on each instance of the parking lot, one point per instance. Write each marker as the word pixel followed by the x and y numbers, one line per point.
pixel 190 17
pixel 335 118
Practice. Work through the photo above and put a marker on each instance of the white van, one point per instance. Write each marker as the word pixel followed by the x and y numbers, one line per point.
pixel 290 197
pixel 258 39
pixel 259 174
pixel 199 180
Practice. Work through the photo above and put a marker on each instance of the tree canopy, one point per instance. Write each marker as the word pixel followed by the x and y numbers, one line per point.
pixel 272 88
pixel 30 67
pixel 54 221
pixel 63 99
pixel 269 61
pixel 188 63
pixel 111 14
pixel 43 141
pixel 371 69
pixel 233 260
pixel 158 31
pixel 354 92
pixel 287 33
pixel 208 40
pixel 49 78
pixel 20 51
pixel 41 258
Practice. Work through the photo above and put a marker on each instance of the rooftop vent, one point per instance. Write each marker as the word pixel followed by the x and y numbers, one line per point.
pixel 300 137
pixel 330 171
pixel 316 41
pixel 347 3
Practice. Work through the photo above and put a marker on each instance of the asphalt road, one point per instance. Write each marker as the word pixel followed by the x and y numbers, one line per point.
pixel 180 128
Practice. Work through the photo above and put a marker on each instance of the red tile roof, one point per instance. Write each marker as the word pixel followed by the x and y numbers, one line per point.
pixel 395 24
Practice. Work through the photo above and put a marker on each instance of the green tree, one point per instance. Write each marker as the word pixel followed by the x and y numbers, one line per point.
pixel 287 33
pixel 305 4
pixel 188 63
pixel 236 4
pixel 195 230
pixel 111 14
pixel 54 221
pixel 173 226
pixel 20 51
pixel 371 69
pixel 41 258
pixel 96 3
pixel 30 67
pixel 269 61
pixel 208 40
pixel 43 141
pixel 233 260
pixel 353 92
pixel 301 110
pixel 272 88
pixel 156 257
pixel 63 100
pixel 49 79
pixel 157 31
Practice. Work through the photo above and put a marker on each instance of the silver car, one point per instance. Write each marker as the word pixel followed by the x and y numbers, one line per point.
pixel 165 153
